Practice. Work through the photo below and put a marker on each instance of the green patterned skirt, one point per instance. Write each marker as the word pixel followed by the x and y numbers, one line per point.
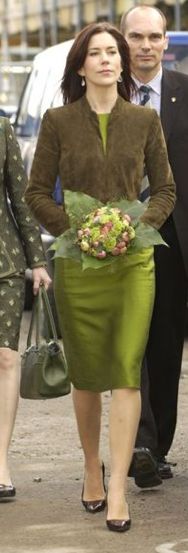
pixel 105 316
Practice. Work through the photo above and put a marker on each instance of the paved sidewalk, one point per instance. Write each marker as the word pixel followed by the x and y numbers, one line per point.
pixel 47 469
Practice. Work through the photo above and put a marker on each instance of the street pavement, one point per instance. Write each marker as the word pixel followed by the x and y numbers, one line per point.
pixel 47 469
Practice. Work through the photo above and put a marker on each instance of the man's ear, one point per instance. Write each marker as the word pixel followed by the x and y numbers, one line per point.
pixel 166 43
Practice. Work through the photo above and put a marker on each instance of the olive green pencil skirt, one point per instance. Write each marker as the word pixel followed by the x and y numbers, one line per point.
pixel 104 317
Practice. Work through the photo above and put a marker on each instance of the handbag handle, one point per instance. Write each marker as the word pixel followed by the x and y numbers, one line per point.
pixel 41 299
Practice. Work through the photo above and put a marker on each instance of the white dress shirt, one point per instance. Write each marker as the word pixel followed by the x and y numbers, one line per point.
pixel 155 91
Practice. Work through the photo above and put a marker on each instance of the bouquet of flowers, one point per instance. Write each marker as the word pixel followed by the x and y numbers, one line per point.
pixel 105 231
pixel 99 234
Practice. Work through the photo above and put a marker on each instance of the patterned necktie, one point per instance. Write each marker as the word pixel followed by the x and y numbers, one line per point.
pixel 145 101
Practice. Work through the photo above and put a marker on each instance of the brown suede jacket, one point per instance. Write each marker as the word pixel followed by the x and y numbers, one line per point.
pixel 70 145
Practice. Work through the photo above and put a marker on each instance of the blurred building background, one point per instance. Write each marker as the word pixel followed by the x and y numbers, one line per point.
pixel 26 26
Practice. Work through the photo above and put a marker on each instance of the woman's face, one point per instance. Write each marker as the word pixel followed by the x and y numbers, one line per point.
pixel 102 65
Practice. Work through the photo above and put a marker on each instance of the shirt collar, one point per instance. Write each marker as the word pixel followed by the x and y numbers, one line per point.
pixel 155 83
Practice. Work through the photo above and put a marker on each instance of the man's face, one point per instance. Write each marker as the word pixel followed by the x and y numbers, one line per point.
pixel 147 41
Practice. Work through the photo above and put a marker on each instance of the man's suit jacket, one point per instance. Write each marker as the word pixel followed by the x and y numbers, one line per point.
pixel 174 118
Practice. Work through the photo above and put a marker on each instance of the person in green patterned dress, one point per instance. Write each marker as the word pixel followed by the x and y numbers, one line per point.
pixel 20 246
pixel 98 143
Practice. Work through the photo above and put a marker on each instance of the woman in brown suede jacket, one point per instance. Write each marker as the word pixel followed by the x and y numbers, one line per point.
pixel 98 143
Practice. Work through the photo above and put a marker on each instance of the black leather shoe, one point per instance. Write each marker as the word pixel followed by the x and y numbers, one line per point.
pixel 164 468
pixel 7 492
pixel 118 525
pixel 144 468
pixel 96 505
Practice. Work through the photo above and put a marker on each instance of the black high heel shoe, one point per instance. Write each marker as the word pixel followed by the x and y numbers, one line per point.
pixel 7 492
pixel 118 525
pixel 96 505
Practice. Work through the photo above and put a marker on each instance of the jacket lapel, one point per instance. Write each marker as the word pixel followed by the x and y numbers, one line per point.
pixel 170 101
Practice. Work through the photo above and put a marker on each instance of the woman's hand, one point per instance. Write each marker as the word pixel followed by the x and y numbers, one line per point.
pixel 40 276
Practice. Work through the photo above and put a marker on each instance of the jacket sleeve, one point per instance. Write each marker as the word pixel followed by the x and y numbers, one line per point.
pixel 162 186
pixel 16 180
pixel 43 177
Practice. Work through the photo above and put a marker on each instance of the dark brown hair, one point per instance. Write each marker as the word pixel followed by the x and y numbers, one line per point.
pixel 142 6
pixel 71 82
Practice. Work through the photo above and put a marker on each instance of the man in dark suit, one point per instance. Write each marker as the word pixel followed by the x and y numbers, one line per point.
pixel 144 28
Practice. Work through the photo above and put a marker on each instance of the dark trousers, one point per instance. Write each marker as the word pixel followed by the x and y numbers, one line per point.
pixel 162 365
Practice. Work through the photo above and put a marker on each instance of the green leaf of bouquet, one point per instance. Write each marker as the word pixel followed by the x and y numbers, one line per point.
pixel 146 236
pixel 78 205
pixel 133 208
pixel 89 262
pixel 65 247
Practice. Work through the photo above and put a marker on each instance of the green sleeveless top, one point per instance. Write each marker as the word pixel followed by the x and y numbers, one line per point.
pixel 103 123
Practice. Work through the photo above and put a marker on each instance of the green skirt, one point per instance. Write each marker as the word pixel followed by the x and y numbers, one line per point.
pixel 104 316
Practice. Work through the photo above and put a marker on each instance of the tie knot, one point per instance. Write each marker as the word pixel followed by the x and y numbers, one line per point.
pixel 145 89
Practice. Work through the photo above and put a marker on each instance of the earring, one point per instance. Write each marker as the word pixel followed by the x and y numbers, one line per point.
pixel 83 83
pixel 120 80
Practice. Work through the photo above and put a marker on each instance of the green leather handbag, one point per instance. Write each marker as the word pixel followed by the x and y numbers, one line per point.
pixel 44 372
